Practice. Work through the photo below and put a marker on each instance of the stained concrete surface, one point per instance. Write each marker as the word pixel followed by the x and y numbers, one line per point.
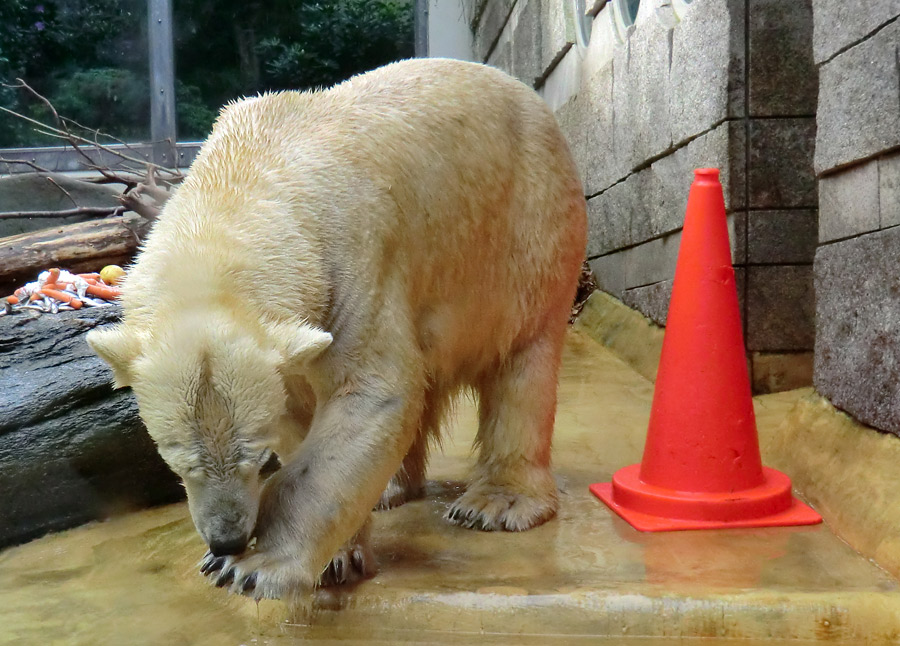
pixel 585 577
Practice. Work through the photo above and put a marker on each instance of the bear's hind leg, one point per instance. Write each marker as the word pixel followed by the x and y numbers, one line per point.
pixel 353 562
pixel 512 488
pixel 409 481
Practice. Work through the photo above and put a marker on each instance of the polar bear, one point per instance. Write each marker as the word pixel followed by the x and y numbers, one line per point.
pixel 336 267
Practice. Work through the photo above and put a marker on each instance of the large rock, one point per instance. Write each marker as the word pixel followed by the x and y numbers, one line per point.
pixel 72 449
pixel 526 34
pixel 857 357
pixel 780 308
pixel 491 21
pixel 557 31
pixel 707 67
pixel 48 192
pixel 783 76
pixel 840 24
pixel 780 170
pixel 587 122
pixel 781 237
pixel 651 202
pixel 889 190
pixel 848 202
pixel 859 112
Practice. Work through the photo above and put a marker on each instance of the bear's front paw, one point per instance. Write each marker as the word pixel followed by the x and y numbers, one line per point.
pixel 260 575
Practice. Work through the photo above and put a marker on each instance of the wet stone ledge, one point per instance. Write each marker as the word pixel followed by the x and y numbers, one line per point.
pixel 72 449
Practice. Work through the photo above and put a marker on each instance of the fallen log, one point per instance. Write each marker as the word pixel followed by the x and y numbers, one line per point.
pixel 81 247
pixel 72 449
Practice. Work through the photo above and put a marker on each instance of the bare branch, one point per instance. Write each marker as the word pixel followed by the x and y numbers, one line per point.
pixel 81 210
pixel 133 202
pixel 62 131
pixel 30 120
pixel 75 140
pixel 119 177
pixel 148 186
pixel 174 172
pixel 23 85
pixel 159 195
pixel 97 132
pixel 65 192
pixel 30 164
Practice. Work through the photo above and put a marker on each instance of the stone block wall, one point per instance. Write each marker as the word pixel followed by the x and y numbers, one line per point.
pixel 728 83
pixel 857 161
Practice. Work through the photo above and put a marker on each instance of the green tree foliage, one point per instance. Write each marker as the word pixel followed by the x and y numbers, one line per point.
pixel 334 41
pixel 48 43
pixel 286 44
pixel 89 57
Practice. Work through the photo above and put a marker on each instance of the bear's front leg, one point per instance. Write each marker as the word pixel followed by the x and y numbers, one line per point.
pixel 323 496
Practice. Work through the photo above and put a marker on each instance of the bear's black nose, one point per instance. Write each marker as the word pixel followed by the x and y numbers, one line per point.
pixel 229 546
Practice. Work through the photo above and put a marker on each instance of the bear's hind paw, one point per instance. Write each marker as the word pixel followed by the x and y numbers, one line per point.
pixel 353 562
pixel 398 493
pixel 493 508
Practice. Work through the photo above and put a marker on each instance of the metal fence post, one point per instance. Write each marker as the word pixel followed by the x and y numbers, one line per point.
pixel 420 22
pixel 162 81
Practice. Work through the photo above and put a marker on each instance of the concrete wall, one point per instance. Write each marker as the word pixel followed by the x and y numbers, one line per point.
pixel 857 160
pixel 724 83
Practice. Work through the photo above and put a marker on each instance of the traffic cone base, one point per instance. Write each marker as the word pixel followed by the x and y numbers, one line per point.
pixel 655 509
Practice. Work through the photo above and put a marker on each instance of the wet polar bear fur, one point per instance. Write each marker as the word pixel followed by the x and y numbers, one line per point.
pixel 336 267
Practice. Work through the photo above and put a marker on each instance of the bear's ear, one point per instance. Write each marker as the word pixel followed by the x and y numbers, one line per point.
pixel 297 344
pixel 119 348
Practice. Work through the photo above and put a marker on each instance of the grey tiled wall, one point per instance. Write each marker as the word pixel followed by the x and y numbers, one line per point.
pixel 857 264
pixel 734 86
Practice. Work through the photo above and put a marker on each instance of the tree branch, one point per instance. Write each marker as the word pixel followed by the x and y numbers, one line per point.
pixel 65 192
pixel 147 186
pixel 30 164
pixel 62 132
pixel 81 210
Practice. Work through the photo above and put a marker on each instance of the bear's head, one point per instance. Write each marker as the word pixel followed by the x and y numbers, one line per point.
pixel 211 394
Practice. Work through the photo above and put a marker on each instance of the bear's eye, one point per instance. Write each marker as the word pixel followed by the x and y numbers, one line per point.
pixel 271 466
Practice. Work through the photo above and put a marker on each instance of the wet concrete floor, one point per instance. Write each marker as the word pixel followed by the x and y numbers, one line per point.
pixel 583 578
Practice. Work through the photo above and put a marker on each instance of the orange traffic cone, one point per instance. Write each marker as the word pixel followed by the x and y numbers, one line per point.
pixel 701 467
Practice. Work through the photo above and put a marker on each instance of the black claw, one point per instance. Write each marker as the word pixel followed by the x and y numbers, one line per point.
pixel 338 565
pixel 249 583
pixel 226 578
pixel 213 566
pixel 356 558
